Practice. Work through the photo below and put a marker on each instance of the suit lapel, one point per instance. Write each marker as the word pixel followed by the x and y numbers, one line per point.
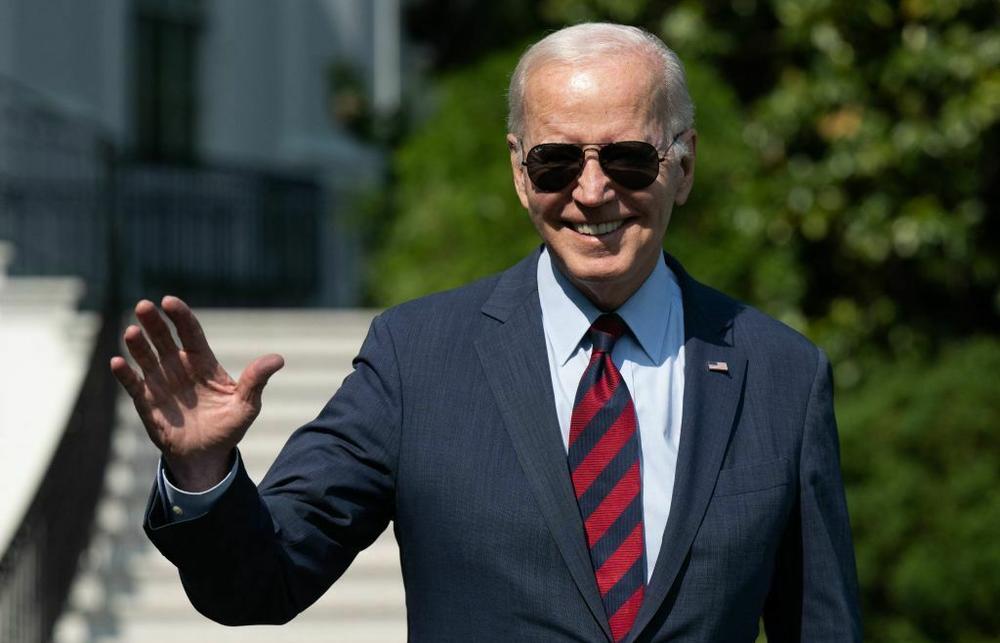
pixel 515 361
pixel 711 403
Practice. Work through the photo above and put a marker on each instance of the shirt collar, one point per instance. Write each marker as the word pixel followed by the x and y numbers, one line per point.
pixel 567 313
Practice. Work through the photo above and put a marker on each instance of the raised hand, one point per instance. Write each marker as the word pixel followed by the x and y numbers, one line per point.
pixel 193 411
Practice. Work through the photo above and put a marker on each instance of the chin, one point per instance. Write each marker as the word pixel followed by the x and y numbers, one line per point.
pixel 603 268
pixel 599 275
pixel 609 278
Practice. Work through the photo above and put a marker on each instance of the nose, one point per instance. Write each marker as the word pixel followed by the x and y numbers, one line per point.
pixel 593 187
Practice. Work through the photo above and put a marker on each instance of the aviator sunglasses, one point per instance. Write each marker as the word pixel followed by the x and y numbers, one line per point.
pixel 631 164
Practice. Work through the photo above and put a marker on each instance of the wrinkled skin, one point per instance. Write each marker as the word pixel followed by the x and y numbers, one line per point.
pixel 600 102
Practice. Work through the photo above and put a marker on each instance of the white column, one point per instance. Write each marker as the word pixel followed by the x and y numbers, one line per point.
pixel 7 17
pixel 113 106
pixel 386 36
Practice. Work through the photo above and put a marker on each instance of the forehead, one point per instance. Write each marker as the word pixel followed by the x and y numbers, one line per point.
pixel 594 101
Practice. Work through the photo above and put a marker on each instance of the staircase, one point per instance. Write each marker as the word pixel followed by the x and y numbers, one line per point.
pixel 127 592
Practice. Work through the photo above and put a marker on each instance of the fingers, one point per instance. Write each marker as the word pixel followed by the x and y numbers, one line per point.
pixel 256 375
pixel 156 328
pixel 140 350
pixel 126 377
pixel 188 329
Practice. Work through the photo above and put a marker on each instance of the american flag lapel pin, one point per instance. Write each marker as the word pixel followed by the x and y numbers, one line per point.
pixel 718 367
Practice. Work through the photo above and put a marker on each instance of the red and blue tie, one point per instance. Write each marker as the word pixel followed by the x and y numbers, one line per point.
pixel 604 465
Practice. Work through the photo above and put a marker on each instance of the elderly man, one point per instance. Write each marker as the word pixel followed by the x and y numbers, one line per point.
pixel 589 446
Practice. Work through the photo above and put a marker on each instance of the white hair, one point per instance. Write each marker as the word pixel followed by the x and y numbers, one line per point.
pixel 591 41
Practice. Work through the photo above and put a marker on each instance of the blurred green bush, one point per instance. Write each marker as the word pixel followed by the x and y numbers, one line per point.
pixel 921 465
pixel 452 214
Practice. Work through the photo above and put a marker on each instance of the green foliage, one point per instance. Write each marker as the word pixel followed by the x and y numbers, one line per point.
pixel 858 172
pixel 843 179
pixel 920 460
pixel 848 183
pixel 876 133
pixel 457 215
pixel 720 235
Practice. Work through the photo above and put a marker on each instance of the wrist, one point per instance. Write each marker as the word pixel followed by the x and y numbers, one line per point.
pixel 197 474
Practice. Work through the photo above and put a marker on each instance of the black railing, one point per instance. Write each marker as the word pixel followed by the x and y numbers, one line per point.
pixel 55 198
pixel 55 208
pixel 223 236
pixel 219 236
pixel 39 565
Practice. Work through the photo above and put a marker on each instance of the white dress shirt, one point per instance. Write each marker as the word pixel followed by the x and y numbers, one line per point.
pixel 650 359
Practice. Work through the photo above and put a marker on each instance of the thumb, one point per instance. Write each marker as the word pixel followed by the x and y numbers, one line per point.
pixel 255 376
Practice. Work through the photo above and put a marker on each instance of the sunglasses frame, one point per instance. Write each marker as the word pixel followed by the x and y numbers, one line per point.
pixel 600 159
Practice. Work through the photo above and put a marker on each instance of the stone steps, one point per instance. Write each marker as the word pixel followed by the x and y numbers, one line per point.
pixel 128 592
pixel 351 629
pixel 45 345
pixel 164 599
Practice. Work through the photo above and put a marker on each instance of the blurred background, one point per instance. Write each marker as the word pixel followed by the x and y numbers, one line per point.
pixel 295 165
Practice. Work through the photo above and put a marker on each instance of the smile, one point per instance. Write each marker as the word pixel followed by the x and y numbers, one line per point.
pixel 595 229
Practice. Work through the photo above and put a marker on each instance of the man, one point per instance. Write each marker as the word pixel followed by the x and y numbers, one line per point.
pixel 590 446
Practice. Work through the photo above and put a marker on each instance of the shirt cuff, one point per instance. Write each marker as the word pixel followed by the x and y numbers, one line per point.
pixel 187 505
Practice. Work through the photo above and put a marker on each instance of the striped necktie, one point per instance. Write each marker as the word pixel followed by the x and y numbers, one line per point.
pixel 604 465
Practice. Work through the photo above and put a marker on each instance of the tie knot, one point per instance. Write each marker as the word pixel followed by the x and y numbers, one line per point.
pixel 605 331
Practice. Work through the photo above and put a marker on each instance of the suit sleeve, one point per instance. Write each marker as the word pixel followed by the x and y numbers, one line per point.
pixel 814 594
pixel 263 555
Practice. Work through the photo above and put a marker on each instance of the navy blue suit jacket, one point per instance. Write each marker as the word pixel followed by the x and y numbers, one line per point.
pixel 447 427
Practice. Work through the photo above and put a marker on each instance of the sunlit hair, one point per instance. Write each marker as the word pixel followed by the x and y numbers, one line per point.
pixel 593 41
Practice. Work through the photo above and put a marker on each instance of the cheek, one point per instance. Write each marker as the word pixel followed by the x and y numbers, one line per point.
pixel 545 209
pixel 658 209
pixel 522 188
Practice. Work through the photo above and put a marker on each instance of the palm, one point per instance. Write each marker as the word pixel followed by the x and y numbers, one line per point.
pixel 192 404
pixel 193 411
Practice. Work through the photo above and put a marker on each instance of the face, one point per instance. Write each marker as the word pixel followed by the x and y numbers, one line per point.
pixel 605 238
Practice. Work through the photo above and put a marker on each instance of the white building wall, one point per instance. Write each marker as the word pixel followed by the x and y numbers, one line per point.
pixel 71 52
pixel 112 49
pixel 263 65
pixel 315 34
pixel 239 100
pixel 262 99
pixel 264 93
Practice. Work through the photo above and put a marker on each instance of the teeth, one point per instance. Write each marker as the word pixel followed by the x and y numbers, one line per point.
pixel 597 228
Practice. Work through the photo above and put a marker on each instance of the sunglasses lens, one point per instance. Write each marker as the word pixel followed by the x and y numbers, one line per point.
pixel 632 164
pixel 553 166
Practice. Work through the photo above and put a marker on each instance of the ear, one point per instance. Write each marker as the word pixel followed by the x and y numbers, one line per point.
pixel 520 178
pixel 686 166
